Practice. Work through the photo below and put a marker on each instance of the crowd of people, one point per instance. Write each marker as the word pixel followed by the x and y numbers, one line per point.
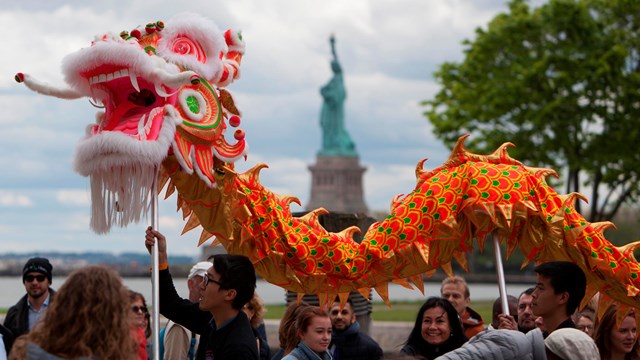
pixel 94 316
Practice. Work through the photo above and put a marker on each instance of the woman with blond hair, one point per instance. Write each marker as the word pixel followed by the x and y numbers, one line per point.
pixel 88 319
pixel 313 328
pixel 616 342
pixel 287 333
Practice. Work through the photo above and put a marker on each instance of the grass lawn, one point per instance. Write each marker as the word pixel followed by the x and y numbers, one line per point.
pixel 399 310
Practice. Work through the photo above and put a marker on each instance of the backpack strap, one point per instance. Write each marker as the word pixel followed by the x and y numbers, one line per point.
pixel 161 341
pixel 192 347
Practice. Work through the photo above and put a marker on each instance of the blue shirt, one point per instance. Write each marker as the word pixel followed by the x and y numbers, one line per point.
pixel 34 316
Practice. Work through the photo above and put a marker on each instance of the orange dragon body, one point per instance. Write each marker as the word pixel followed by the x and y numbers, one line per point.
pixel 167 108
pixel 470 196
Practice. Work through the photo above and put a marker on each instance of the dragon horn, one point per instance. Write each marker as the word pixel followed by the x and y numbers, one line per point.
pixel 627 250
pixel 231 60
pixel 43 88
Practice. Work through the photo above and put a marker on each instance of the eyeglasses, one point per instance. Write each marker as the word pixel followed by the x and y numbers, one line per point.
pixel 207 280
pixel 29 278
pixel 136 309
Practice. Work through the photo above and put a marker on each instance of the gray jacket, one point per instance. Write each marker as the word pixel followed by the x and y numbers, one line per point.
pixel 35 352
pixel 501 345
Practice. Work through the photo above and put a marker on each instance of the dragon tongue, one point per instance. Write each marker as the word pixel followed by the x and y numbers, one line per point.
pixel 119 112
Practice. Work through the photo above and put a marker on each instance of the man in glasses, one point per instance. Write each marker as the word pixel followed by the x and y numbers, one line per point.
pixel 225 331
pixel 36 277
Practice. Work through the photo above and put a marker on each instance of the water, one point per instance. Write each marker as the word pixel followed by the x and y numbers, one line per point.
pixel 11 290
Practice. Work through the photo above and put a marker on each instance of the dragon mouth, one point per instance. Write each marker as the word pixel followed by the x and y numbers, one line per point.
pixel 133 105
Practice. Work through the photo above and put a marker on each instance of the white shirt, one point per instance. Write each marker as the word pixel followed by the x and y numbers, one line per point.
pixel 3 351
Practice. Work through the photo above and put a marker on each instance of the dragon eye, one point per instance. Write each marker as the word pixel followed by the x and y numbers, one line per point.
pixel 185 46
pixel 193 105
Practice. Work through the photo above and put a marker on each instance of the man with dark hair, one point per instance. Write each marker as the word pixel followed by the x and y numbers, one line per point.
pixel 176 341
pixel 526 319
pixel 498 320
pixel 560 287
pixel 37 278
pixel 347 342
pixel 225 331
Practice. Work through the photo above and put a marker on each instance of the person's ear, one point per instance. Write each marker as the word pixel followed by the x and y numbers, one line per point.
pixel 563 297
pixel 231 294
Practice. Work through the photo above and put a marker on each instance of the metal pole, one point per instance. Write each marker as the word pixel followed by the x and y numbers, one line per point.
pixel 500 271
pixel 155 285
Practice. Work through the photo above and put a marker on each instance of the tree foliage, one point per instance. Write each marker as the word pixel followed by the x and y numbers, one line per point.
pixel 562 82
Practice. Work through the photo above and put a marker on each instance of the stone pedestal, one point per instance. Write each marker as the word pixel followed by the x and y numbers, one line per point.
pixel 336 184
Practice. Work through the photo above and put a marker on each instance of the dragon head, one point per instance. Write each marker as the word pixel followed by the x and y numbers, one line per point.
pixel 162 90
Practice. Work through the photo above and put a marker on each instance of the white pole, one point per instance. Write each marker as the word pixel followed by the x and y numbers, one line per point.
pixel 155 296
pixel 500 271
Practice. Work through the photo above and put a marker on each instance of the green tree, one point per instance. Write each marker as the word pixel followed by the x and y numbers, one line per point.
pixel 562 82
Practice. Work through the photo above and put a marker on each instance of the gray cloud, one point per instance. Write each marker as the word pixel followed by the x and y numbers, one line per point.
pixel 388 49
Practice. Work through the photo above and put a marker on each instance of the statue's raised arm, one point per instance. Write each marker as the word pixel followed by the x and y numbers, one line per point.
pixel 332 40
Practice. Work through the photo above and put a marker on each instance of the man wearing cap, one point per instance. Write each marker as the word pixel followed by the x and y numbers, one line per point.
pixel 179 342
pixel 36 277
pixel 570 344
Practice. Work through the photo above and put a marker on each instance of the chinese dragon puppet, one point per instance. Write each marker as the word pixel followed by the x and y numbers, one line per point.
pixel 166 109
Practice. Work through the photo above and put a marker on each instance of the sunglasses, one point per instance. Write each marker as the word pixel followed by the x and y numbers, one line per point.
pixel 208 280
pixel 29 278
pixel 136 309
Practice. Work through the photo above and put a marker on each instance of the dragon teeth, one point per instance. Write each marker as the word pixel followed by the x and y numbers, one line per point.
pixel 100 78
pixel 134 81
pixel 142 132
pixel 160 91
pixel 152 115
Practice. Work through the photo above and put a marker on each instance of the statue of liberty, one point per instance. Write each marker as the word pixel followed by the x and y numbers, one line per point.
pixel 335 139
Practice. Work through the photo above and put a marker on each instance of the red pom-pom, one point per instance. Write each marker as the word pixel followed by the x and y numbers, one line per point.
pixel 238 134
pixel 234 121
pixel 136 33
pixel 19 77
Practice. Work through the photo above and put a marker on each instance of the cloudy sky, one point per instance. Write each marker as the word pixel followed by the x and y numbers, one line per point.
pixel 388 49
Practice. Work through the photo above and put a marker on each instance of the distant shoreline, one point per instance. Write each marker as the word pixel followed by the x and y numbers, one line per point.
pixel 183 271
